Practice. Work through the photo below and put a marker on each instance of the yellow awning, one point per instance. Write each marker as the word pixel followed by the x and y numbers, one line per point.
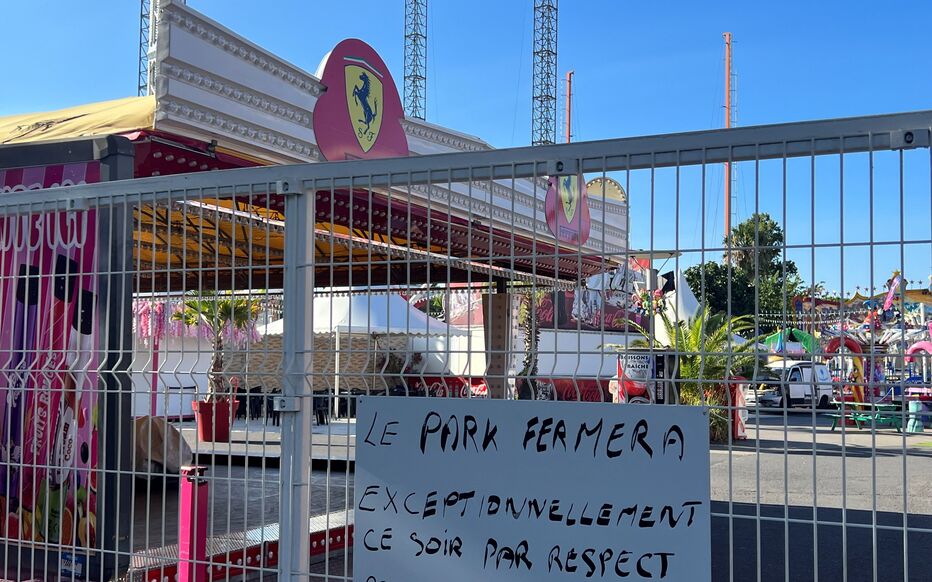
pixel 923 296
pixel 103 118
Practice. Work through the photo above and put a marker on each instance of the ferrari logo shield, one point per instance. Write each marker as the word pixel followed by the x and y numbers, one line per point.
pixel 569 195
pixel 566 207
pixel 364 101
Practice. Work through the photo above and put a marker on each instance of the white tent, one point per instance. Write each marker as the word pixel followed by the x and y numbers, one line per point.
pixel 376 314
pixel 681 305
pixel 368 314
pixel 358 315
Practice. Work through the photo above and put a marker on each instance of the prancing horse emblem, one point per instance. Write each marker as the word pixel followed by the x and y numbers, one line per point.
pixel 361 96
pixel 569 195
pixel 364 102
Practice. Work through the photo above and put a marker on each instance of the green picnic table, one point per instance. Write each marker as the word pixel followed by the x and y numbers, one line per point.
pixel 870 413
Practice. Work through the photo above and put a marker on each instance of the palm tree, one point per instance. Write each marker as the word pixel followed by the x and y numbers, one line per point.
pixel 222 315
pixel 707 357
pixel 528 321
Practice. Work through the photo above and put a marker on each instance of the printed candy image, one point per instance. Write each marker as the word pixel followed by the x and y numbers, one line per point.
pixel 48 349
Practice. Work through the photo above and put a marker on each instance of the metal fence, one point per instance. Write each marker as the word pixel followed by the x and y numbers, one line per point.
pixel 181 355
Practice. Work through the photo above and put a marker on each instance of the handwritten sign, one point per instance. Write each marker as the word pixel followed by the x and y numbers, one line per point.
pixel 463 490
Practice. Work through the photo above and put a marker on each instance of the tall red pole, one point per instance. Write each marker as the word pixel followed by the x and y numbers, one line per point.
pixel 192 525
pixel 569 101
pixel 727 37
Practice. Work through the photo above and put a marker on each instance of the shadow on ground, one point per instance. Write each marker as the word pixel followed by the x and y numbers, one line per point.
pixel 759 548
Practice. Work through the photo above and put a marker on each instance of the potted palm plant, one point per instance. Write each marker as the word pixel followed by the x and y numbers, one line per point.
pixel 223 317
pixel 708 359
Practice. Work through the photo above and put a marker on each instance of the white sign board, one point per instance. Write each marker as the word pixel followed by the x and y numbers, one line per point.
pixel 459 490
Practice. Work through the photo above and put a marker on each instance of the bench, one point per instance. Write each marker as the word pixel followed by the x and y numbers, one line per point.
pixel 890 419
pixel 836 417
pixel 860 418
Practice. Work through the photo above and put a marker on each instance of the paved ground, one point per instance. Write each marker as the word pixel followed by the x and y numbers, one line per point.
pixel 851 468
pixel 240 498
pixel 776 551
pixel 789 467
pixel 337 568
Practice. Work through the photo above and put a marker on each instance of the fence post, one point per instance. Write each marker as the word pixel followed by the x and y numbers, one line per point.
pixel 192 525
pixel 297 404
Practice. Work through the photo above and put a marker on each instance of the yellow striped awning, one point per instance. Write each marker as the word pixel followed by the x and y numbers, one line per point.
pixel 93 119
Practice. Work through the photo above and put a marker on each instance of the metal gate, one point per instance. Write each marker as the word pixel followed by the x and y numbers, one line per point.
pixel 197 419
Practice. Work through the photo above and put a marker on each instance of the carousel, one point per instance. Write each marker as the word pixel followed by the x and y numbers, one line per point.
pixel 878 347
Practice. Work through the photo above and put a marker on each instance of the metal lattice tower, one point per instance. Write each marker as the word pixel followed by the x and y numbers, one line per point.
pixel 544 119
pixel 142 81
pixel 416 58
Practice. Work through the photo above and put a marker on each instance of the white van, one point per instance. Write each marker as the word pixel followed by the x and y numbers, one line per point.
pixel 798 383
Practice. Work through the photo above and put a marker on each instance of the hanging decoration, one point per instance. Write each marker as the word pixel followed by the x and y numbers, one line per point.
pixel 644 302
pixel 153 318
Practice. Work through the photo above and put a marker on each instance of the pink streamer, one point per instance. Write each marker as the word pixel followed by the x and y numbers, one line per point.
pixel 894 285
pixel 155 319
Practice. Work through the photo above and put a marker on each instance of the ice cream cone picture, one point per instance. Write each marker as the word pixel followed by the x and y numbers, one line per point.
pixel 18 412
pixel 77 358
pixel 41 484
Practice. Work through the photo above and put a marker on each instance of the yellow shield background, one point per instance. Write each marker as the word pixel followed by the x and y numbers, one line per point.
pixel 364 104
pixel 569 195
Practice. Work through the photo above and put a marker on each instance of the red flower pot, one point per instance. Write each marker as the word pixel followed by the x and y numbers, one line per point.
pixel 214 419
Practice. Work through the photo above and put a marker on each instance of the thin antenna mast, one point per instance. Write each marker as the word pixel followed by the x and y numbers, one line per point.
pixel 416 58
pixel 544 116
pixel 142 81
pixel 569 105
pixel 728 114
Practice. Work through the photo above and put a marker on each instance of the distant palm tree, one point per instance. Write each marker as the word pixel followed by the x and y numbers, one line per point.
pixel 708 358
pixel 223 314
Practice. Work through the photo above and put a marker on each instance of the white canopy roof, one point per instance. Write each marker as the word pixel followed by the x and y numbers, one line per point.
pixel 681 305
pixel 367 314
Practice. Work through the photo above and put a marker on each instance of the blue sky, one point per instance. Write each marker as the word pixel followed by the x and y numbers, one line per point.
pixel 641 68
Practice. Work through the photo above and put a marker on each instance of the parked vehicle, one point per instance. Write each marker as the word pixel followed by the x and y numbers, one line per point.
pixel 797 383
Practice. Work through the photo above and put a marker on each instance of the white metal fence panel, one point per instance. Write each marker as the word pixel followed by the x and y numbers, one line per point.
pixel 204 422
